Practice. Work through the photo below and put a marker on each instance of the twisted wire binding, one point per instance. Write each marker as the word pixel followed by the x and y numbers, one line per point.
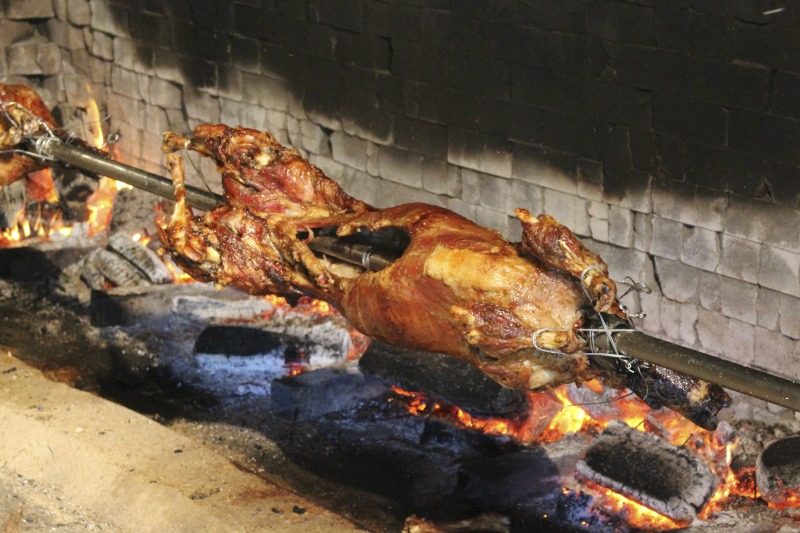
pixel 604 328
pixel 38 141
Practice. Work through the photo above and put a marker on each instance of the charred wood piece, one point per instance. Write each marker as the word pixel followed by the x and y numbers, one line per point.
pixel 625 461
pixel 117 270
pixel 313 394
pixel 141 257
pixel 453 380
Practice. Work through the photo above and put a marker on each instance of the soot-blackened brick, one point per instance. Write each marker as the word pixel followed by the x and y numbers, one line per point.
pixel 246 54
pixel 688 118
pixel 646 67
pixel 770 45
pixel 394 20
pixel 151 29
pixel 523 44
pixel 617 104
pixel 211 14
pixel 728 84
pixel 687 31
pixel 542 88
pixel 569 133
pixel 644 150
pixel 479 76
pixel 767 136
pixel 786 94
pixel 561 15
pixel 420 136
pixel 345 14
pixel 200 43
pixel 620 22
pixel 783 182
pixel 713 167
pixel 363 50
pixel 414 61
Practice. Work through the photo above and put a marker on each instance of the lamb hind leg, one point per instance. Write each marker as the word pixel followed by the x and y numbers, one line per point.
pixel 546 239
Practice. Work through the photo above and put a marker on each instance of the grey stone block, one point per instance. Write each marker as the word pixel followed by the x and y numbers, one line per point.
pixel 710 291
pixel 675 200
pixel 532 164
pixel 400 166
pixel 790 316
pixel 712 330
pixel 768 304
pixel 779 270
pixel 679 282
pixel 479 152
pixel 440 178
pixel 29 9
pixel 102 45
pixel 201 106
pixel 495 193
pixel 763 222
pixel 642 231
pixel 48 56
pixel 560 206
pixel 671 319
pixel 109 18
pixel 79 12
pixel 620 226
pixel 22 58
pixel 776 353
pixel 701 249
pixel 470 185
pixel 272 93
pixel 125 82
pixel 349 150
pixel 738 300
pixel 497 220
pixel 667 238
pixel 739 342
pixel 651 307
pixel 739 258
pixel 165 94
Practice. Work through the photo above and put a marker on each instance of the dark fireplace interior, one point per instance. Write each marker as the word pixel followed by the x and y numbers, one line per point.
pixel 661 133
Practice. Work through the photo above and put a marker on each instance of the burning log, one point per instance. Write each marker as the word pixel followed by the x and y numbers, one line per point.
pixel 626 461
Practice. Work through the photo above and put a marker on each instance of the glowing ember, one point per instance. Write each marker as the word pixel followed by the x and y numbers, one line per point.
pixel 419 403
pixel 635 514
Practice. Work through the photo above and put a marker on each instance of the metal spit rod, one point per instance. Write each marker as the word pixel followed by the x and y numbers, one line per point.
pixel 635 344
pixel 755 383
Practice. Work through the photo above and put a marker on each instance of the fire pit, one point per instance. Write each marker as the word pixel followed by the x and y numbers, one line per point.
pixel 391 438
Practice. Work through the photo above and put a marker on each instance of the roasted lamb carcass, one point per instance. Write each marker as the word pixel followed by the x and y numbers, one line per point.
pixel 511 309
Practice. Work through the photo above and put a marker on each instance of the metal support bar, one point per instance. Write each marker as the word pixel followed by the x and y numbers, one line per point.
pixel 95 163
pixel 728 374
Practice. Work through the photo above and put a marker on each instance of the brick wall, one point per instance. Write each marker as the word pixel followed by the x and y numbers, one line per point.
pixel 664 132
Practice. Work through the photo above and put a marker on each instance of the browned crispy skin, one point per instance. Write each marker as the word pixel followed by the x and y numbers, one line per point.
pixel 22 114
pixel 458 288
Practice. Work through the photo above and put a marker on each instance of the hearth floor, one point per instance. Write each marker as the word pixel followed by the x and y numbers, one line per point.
pixel 72 461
